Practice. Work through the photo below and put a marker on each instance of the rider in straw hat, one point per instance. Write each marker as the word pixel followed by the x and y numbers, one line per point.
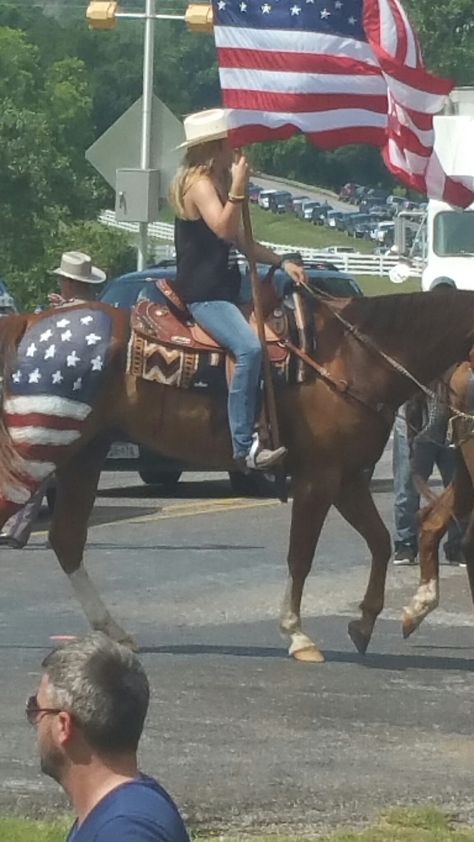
pixel 207 195
pixel 78 278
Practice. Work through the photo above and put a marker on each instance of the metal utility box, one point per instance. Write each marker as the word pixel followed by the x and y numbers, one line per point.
pixel 137 195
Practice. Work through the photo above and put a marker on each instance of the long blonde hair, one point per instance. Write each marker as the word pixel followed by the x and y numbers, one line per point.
pixel 199 162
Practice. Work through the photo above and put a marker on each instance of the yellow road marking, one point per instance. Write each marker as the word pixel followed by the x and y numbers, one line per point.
pixel 186 510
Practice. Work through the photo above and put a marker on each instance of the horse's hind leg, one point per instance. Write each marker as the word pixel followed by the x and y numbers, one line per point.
pixel 77 486
pixel 356 505
pixel 433 521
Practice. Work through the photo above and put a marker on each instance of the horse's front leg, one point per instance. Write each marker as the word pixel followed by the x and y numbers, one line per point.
pixel 77 486
pixel 433 522
pixel 356 505
pixel 312 498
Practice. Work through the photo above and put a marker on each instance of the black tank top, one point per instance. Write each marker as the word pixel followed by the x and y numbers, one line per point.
pixel 204 272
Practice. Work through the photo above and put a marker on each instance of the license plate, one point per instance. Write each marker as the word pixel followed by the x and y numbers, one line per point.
pixel 123 450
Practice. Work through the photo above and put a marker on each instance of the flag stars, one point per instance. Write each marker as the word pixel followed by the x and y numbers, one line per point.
pixel 97 363
pixel 266 9
pixel 92 339
pixel 66 336
pixel 50 352
pixel 295 10
pixel 309 1
pixel 57 377
pixel 243 7
pixel 77 384
pixel 63 323
pixel 352 20
pixel 16 376
pixel 221 5
pixel 34 376
pixel 72 360
pixel 46 335
pixel 86 320
pixel 338 4
pixel 325 13
pixel 31 350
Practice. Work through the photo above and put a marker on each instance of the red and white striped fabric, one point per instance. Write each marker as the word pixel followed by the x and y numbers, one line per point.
pixel 341 72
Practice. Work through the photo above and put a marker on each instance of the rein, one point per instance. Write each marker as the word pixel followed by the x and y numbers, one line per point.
pixel 342 386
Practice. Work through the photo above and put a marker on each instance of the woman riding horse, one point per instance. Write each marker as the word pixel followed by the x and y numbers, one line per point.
pixel 207 195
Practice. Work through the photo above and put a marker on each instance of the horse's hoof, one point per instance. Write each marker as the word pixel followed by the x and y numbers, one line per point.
pixel 309 655
pixel 360 640
pixel 409 624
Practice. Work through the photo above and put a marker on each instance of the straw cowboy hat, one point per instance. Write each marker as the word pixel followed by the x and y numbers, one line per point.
pixel 204 126
pixel 78 267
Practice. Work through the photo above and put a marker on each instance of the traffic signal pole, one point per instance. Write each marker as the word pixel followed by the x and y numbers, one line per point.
pixel 147 103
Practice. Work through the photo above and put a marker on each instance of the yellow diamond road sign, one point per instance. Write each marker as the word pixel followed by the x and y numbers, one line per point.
pixel 119 146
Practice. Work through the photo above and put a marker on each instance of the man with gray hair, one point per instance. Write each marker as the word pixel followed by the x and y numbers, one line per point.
pixel 89 712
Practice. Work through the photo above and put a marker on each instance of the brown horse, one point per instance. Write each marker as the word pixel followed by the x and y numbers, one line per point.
pixel 333 433
pixel 456 502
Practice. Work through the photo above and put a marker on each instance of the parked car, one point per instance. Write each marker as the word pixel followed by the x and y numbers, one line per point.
pixel 123 291
pixel 358 225
pixel 297 201
pixel 332 217
pixel 347 192
pixel 379 231
pixel 319 215
pixel 254 193
pixel 343 221
pixel 264 198
pixel 280 202
pixel 307 209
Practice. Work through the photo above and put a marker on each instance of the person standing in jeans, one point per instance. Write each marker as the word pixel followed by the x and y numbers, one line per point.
pixel 428 450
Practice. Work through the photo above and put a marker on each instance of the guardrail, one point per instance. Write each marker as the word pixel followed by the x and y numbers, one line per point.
pixel 355 264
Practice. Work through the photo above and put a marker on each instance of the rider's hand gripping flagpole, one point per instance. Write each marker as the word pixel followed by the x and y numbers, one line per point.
pixel 270 417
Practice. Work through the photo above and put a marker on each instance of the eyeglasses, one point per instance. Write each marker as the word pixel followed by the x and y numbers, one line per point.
pixel 33 710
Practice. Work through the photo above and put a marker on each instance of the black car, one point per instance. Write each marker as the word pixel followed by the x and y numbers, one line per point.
pixel 320 214
pixel 342 222
pixel 123 292
pixel 280 202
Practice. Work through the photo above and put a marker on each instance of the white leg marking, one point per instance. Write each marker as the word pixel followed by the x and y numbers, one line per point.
pixel 92 605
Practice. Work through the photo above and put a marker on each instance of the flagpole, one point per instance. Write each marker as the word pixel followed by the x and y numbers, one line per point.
pixel 270 417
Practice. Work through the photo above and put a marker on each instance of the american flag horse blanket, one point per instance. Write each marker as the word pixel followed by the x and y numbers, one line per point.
pixel 67 393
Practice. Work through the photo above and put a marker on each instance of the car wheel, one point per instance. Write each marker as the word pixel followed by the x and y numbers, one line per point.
pixel 251 485
pixel 167 478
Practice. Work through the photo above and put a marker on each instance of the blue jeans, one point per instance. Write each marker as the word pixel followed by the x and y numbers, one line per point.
pixel 225 323
pixel 426 454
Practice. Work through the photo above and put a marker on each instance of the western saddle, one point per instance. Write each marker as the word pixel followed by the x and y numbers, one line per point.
pixel 172 325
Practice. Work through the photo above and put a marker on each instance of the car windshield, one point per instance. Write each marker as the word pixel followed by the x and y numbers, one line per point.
pixel 340 286
pixel 453 233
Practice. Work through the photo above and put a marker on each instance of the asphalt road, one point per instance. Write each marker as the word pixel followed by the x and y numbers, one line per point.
pixel 243 737
pixel 268 183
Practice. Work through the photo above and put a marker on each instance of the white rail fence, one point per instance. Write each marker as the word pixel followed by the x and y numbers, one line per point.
pixel 355 264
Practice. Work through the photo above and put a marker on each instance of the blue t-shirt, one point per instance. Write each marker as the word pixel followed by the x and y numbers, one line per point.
pixel 136 811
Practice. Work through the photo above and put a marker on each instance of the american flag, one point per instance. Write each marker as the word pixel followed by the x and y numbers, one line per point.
pixel 51 389
pixel 341 72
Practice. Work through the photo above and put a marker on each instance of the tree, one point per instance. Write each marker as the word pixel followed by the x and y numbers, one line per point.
pixel 446 32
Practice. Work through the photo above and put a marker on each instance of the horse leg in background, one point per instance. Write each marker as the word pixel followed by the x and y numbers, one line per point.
pixel 311 501
pixel 356 505
pixel 76 491
pixel 434 519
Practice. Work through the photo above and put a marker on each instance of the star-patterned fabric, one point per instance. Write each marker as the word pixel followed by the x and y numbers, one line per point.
pixel 62 355
pixel 52 387
pixel 341 72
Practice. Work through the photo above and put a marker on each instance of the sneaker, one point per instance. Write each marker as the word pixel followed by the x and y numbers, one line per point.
pixel 404 555
pixel 261 458
pixel 8 541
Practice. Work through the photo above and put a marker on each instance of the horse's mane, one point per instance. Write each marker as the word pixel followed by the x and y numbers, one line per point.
pixel 419 317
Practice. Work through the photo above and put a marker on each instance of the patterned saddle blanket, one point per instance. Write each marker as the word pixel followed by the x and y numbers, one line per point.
pixel 168 347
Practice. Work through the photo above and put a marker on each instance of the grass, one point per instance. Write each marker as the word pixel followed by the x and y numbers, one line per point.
pixel 400 825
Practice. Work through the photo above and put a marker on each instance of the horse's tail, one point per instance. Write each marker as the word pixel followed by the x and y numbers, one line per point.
pixel 12 329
